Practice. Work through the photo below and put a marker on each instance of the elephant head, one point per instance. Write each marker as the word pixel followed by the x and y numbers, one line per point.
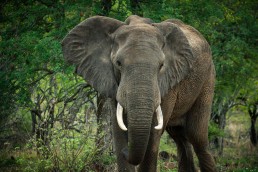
pixel 135 62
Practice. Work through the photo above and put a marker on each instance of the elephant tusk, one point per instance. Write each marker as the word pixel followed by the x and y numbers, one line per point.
pixel 119 117
pixel 159 118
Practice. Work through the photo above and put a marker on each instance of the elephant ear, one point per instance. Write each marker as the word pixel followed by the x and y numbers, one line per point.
pixel 88 47
pixel 178 55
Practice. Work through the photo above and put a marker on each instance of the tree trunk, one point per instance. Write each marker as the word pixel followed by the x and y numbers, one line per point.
pixel 253 135
pixel 99 141
pixel 220 119
pixel 253 113
pixel 33 121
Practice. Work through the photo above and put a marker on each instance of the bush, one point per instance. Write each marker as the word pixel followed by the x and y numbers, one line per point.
pixel 215 131
pixel 66 150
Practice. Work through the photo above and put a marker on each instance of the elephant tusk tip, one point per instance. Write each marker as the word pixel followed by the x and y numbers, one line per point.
pixel 158 127
pixel 123 128
pixel 159 118
pixel 119 116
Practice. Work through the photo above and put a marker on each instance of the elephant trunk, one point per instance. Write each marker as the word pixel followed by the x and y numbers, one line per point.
pixel 140 110
pixel 139 95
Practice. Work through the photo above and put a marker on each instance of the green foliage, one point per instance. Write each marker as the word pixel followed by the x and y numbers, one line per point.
pixel 215 131
pixel 67 150
pixel 239 164
pixel 167 145
pixel 34 164
pixel 7 162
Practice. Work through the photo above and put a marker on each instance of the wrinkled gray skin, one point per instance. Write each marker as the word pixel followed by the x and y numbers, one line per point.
pixel 141 65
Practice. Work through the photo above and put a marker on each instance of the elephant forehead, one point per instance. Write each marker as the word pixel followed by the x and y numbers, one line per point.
pixel 141 31
pixel 137 56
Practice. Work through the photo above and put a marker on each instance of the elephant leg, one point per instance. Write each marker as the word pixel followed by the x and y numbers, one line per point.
pixel 120 142
pixel 197 129
pixel 184 149
pixel 198 136
pixel 150 159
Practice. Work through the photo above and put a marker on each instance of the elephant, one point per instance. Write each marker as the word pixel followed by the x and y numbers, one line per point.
pixel 159 76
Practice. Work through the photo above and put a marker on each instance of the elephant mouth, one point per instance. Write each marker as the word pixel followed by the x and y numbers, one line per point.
pixel 119 116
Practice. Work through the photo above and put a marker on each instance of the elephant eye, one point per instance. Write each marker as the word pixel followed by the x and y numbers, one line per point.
pixel 118 63
pixel 161 66
pixel 163 46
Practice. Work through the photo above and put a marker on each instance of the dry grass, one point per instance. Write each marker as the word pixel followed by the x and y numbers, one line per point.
pixel 239 154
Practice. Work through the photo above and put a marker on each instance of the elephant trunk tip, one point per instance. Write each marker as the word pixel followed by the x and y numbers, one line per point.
pixel 134 161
